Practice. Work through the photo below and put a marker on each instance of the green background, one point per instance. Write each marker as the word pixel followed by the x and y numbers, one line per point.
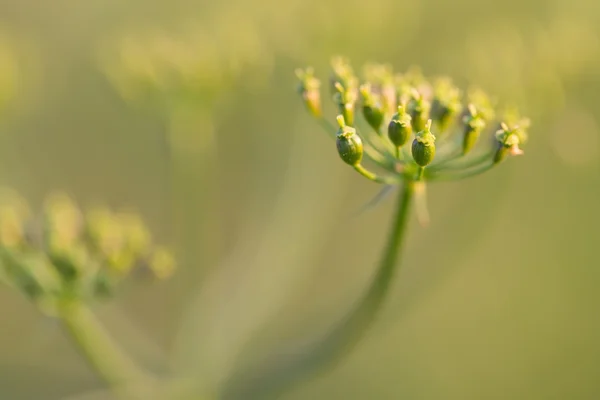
pixel 497 298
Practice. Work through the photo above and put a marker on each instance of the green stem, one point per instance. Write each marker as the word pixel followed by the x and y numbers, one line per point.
pixel 456 163
pixel 120 372
pixel 420 173
pixel 340 341
pixel 457 175
pixel 374 177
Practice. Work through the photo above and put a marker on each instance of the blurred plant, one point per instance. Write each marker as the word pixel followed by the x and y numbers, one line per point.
pixel 415 131
pixel 181 76
pixel 194 65
pixel 65 259
pixel 552 56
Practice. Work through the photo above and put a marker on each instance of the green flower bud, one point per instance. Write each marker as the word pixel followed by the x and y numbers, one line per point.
pixel 381 76
pixel 349 144
pixel 508 142
pixel 418 108
pixel 62 231
pixel 446 103
pixel 309 90
pixel 19 272
pixel 374 116
pixel 423 147
pixel 399 128
pixel 346 100
pixel 342 74
pixel 137 236
pixel 474 124
pixel 372 109
pixel 109 240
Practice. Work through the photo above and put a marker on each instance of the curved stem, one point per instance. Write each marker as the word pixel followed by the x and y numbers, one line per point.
pixel 374 177
pixel 119 371
pixel 457 175
pixel 457 164
pixel 346 334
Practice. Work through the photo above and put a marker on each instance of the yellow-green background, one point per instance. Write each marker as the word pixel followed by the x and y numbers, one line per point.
pixel 497 299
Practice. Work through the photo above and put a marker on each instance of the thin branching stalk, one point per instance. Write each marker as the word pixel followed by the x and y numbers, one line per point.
pixel 121 373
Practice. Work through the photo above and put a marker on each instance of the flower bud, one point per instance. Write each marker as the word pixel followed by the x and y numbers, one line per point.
pixel 342 74
pixel 446 103
pixel 399 128
pixel 309 90
pixel 381 76
pixel 62 230
pixel 508 143
pixel 349 144
pixel 346 100
pixel 19 271
pixel 474 124
pixel 418 108
pixel 372 109
pixel 423 147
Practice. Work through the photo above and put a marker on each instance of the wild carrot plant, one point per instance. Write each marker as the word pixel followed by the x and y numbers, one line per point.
pixel 65 260
pixel 394 129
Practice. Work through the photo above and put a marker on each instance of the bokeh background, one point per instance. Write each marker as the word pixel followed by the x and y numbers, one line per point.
pixel 186 111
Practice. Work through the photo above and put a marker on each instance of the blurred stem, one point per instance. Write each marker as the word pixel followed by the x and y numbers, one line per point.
pixel 120 372
pixel 194 169
pixel 351 329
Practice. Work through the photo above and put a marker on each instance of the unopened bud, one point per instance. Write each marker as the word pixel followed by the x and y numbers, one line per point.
pixel 446 103
pixel 473 125
pixel 342 74
pixel 423 147
pixel 309 89
pixel 418 108
pixel 399 128
pixel 372 109
pixel 346 100
pixel 349 144
pixel 508 143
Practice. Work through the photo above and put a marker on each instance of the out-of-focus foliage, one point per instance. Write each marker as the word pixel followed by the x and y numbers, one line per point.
pixel 65 253
pixel 190 64
pixel 497 298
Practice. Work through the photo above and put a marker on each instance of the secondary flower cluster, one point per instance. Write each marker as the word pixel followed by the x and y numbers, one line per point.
pixel 412 127
pixel 65 252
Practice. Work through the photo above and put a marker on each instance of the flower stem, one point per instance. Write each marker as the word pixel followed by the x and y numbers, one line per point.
pixel 340 341
pixel 120 372
pixel 374 177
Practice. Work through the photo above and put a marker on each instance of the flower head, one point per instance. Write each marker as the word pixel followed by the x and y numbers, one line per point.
pixel 417 112
pixel 66 251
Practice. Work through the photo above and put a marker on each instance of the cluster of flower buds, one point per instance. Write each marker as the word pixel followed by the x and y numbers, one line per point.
pixel 190 63
pixel 65 253
pixel 413 128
